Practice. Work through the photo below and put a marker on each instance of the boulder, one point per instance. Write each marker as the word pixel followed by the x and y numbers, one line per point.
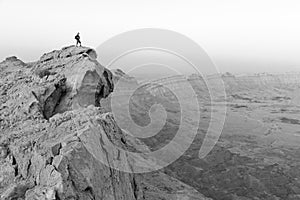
pixel 87 81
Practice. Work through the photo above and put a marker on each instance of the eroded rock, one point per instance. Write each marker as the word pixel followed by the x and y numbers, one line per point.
pixel 86 81
pixel 57 138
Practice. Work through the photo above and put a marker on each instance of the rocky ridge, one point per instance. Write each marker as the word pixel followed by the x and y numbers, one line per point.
pixel 55 137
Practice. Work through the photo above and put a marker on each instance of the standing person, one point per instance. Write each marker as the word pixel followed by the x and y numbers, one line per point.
pixel 77 38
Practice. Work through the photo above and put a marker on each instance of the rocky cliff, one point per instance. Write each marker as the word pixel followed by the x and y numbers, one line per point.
pixel 55 138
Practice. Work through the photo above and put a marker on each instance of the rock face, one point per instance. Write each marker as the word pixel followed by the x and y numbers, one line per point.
pixel 55 137
pixel 86 81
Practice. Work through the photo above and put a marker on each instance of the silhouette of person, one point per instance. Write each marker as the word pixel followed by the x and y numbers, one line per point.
pixel 77 38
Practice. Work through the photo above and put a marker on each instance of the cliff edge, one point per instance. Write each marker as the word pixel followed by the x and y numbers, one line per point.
pixel 54 134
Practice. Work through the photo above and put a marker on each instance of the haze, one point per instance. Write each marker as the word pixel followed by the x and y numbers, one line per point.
pixel 239 36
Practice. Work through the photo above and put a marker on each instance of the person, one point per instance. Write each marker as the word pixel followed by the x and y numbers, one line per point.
pixel 77 38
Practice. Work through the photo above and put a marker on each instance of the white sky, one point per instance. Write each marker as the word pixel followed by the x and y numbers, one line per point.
pixel 240 36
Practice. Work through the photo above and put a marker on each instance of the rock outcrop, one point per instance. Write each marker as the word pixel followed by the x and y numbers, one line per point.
pixel 55 137
pixel 87 82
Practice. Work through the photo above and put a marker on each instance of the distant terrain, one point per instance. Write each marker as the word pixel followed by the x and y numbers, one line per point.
pixel 257 155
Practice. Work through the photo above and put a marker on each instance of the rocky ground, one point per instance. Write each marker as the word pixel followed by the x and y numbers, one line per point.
pixel 56 139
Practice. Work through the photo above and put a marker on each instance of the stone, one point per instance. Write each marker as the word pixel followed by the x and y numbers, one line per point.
pixel 58 137
pixel 87 81
pixel 3 151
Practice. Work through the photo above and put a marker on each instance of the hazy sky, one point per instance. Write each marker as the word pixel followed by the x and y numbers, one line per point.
pixel 240 36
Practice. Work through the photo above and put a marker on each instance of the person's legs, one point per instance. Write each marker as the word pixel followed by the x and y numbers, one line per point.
pixel 78 42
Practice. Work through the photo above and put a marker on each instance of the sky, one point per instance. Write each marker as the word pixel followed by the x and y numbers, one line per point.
pixel 240 36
